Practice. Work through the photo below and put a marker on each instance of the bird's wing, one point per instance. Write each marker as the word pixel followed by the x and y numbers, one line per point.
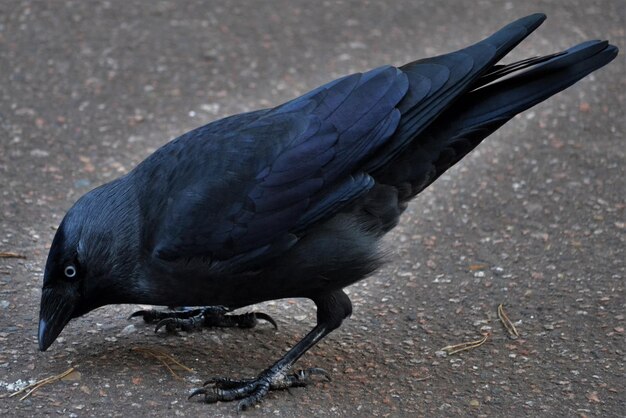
pixel 280 171
pixel 286 168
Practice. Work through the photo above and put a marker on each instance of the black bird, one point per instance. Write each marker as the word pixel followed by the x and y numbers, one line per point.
pixel 290 201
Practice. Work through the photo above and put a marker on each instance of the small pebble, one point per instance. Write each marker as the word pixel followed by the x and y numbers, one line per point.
pixel 129 329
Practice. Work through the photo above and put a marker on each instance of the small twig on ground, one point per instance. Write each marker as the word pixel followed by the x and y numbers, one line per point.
pixel 34 386
pixel 453 349
pixel 11 254
pixel 164 358
pixel 506 321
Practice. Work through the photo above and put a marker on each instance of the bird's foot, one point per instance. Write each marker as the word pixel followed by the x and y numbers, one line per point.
pixel 252 391
pixel 194 319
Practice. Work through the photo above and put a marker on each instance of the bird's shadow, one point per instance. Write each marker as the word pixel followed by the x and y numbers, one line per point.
pixel 179 355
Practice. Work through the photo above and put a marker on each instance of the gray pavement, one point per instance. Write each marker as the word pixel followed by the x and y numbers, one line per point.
pixel 533 219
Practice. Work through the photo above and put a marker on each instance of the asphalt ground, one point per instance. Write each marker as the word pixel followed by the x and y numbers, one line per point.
pixel 533 219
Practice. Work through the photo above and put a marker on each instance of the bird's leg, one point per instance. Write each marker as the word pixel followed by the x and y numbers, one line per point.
pixel 194 319
pixel 332 308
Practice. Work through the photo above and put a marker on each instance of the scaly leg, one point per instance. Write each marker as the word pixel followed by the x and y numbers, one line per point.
pixel 332 309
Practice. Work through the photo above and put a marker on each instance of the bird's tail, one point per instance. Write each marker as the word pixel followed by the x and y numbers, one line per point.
pixel 493 99
pixel 436 82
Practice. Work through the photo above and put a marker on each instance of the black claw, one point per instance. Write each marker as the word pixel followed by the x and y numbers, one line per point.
pixel 266 317
pixel 147 315
pixel 209 395
pixel 241 407
pixel 199 391
pixel 159 325
pixel 137 313
pixel 244 404
pixel 168 323
pixel 319 371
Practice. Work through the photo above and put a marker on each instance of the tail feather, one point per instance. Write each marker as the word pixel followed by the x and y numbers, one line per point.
pixel 513 95
pixel 435 83
pixel 498 71
pixel 491 104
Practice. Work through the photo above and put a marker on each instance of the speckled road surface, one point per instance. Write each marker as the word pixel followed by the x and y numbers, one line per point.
pixel 533 219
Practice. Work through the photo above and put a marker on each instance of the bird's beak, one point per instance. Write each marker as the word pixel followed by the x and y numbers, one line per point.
pixel 56 311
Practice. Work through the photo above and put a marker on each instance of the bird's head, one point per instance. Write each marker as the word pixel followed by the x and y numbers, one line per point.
pixel 87 263
pixel 63 283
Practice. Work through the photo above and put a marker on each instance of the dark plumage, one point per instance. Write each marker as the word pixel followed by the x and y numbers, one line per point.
pixel 290 201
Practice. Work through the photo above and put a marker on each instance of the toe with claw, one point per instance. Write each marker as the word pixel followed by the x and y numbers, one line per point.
pixel 251 391
pixel 193 319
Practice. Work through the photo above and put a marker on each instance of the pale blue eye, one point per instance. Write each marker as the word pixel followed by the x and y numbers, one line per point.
pixel 70 271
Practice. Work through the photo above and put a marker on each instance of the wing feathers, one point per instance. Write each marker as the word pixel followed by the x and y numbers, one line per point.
pixel 286 168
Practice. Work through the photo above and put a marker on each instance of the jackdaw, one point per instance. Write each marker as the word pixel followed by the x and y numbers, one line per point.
pixel 291 201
